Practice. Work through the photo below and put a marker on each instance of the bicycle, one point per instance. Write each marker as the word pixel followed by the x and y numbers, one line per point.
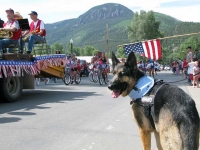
pixel 102 75
pixel 91 68
pixel 93 75
pixel 75 78
pixel 67 77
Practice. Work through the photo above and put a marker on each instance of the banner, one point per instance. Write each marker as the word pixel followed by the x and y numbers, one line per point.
pixel 16 68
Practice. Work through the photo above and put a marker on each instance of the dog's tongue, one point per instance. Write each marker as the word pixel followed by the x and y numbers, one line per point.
pixel 115 94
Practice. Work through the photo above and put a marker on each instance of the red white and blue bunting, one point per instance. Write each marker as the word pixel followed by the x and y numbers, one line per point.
pixel 17 68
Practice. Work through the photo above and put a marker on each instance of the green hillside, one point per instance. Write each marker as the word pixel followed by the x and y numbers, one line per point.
pixel 90 27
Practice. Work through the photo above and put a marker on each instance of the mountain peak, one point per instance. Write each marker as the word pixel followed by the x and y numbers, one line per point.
pixel 105 11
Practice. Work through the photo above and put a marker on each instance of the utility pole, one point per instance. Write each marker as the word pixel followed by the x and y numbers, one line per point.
pixel 107 40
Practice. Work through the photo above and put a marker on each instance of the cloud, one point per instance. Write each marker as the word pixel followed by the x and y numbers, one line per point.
pixel 56 10
pixel 184 13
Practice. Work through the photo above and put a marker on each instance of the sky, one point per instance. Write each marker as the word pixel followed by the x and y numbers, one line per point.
pixel 51 11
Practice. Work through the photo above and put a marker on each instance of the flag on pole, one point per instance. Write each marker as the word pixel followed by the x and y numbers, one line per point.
pixel 150 49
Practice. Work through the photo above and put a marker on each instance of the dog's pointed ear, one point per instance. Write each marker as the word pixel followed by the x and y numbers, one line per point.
pixel 131 61
pixel 115 61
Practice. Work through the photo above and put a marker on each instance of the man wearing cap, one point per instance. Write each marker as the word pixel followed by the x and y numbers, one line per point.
pixel 11 25
pixel 38 36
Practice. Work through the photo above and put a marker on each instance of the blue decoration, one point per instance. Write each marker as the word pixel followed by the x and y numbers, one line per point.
pixel 143 85
pixel 36 59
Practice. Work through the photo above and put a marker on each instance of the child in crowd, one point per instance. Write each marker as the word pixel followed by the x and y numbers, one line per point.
pixel 177 68
pixel 195 74
pixel 190 70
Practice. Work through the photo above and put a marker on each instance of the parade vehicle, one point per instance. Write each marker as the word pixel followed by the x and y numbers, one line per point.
pixel 18 71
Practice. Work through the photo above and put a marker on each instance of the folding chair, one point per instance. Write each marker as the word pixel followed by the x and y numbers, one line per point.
pixel 41 46
pixel 11 46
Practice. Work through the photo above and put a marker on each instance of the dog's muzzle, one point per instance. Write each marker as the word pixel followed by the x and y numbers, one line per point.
pixel 116 86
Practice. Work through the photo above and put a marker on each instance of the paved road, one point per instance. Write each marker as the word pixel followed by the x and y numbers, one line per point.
pixel 75 117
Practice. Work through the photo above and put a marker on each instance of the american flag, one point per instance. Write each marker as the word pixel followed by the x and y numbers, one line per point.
pixel 150 49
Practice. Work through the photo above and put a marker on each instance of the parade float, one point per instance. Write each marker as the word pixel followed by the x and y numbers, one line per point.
pixel 18 72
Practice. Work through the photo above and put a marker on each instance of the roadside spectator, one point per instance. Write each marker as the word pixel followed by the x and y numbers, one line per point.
pixel 190 71
pixel 184 65
pixel 198 56
pixel 150 67
pixel 156 66
pixel 195 74
pixel 173 65
pixel 177 68
pixel 180 65
pixel 195 54
pixel 189 55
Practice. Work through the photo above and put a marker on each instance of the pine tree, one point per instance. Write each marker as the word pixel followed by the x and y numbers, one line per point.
pixel 144 27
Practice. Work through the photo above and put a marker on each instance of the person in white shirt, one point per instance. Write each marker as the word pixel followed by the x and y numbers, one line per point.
pixel 190 70
pixel 11 25
pixel 36 33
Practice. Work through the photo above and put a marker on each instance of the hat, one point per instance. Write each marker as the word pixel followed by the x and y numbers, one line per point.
pixel 189 47
pixel 11 10
pixel 17 15
pixel 33 13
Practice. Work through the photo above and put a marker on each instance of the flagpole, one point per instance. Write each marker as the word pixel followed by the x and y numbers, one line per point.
pixel 169 37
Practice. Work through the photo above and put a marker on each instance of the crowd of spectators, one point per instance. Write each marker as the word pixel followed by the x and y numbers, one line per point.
pixel 189 66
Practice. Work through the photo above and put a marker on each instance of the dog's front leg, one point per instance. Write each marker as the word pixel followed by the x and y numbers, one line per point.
pixel 146 139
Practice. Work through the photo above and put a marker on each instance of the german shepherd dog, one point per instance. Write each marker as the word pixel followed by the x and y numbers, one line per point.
pixel 176 120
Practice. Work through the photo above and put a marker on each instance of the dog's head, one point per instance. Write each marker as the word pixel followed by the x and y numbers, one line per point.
pixel 125 75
